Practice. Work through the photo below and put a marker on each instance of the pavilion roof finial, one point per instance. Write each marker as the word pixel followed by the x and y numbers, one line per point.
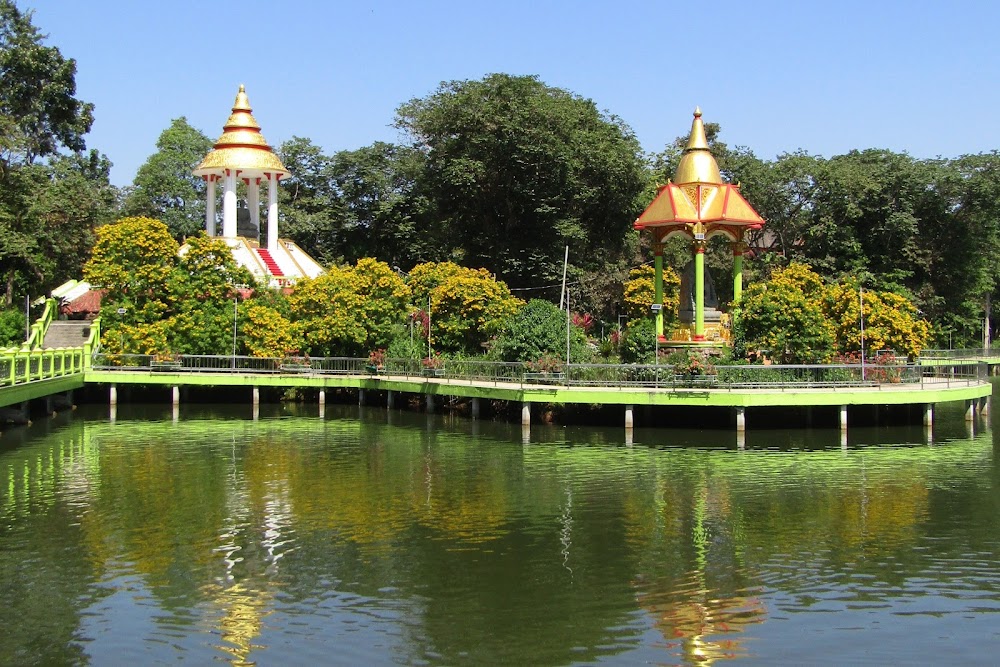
pixel 697 164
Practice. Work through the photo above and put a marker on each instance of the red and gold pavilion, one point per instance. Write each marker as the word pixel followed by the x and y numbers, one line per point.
pixel 698 205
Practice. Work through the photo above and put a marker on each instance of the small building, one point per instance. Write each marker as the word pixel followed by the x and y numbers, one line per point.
pixel 241 159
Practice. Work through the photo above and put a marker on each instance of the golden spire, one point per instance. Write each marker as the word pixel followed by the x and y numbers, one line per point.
pixel 241 147
pixel 697 164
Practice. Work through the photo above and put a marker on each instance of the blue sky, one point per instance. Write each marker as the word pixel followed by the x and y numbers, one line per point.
pixel 920 77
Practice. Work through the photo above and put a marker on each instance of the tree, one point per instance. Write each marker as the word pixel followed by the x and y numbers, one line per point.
pixel 39 112
pixel 890 320
pixel 164 187
pixel 516 170
pixel 47 214
pixel 312 210
pixel 537 331
pixel 46 209
pixel 468 307
pixel 386 212
pixel 348 310
pixel 157 301
pixel 640 291
pixel 784 317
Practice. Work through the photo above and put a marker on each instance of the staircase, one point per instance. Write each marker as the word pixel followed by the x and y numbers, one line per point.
pixel 66 333
pixel 272 266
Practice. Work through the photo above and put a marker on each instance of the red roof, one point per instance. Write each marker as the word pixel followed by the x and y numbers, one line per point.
pixel 86 303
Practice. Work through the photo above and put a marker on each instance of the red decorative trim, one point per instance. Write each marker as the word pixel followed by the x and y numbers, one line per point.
pixel 257 147
pixel 257 182
pixel 246 181
pixel 700 248
pixel 698 338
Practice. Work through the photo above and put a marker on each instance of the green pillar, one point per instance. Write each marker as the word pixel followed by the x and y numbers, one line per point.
pixel 658 285
pixel 699 290
pixel 737 271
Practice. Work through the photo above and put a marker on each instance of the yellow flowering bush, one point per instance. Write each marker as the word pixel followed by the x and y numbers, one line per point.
pixel 640 290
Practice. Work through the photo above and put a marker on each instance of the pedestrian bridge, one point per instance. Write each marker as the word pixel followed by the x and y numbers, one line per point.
pixel 39 374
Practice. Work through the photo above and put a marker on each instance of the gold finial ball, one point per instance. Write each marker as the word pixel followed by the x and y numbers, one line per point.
pixel 697 112
pixel 242 89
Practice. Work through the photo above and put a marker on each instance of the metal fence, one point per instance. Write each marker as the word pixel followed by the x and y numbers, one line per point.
pixel 577 375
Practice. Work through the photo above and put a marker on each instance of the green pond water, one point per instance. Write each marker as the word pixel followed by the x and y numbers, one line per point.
pixel 371 537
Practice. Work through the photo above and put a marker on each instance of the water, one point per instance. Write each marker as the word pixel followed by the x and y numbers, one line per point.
pixel 383 538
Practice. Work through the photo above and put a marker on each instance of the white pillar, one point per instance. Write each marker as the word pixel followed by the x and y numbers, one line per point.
pixel 256 396
pixel 361 396
pixel 843 417
pixel 229 205
pixel 253 202
pixel 113 395
pixel 970 410
pixel 741 420
pixel 272 212
pixel 210 207
pixel 629 418
pixel 390 400
pixel 525 414
pixel 175 395
pixel 430 402
pixel 929 414
pixel 322 396
pixel 475 408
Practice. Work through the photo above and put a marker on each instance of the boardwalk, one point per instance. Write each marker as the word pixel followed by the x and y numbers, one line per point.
pixel 31 375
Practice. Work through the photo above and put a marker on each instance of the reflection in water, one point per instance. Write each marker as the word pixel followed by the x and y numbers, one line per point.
pixel 444 541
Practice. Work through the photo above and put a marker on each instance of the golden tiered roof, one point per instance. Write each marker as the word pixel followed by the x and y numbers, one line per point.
pixel 696 201
pixel 241 147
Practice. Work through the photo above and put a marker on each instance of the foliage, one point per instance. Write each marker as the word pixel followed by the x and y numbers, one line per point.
pixel 640 292
pixel 47 209
pixel 266 332
pixel 538 330
pixel 694 364
pixel 890 320
pixel 12 323
pixel 348 310
pixel 158 301
pixel 164 187
pixel 638 344
pixel 784 317
pixel 516 170
pixel 39 112
pixel 133 260
pixel 468 307
pixel 311 207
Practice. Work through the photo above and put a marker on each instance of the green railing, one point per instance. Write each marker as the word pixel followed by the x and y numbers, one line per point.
pixel 21 366
pixel 575 375
pixel 37 333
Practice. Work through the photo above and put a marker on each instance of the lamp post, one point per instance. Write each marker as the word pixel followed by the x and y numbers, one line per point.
pixel 861 303
pixel 236 299
pixel 656 308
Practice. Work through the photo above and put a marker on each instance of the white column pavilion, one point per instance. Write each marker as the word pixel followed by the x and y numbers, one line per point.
pixel 242 154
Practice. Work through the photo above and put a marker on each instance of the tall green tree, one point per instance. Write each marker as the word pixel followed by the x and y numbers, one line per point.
pixel 39 112
pixel 517 170
pixel 311 207
pixel 164 187
pixel 47 208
